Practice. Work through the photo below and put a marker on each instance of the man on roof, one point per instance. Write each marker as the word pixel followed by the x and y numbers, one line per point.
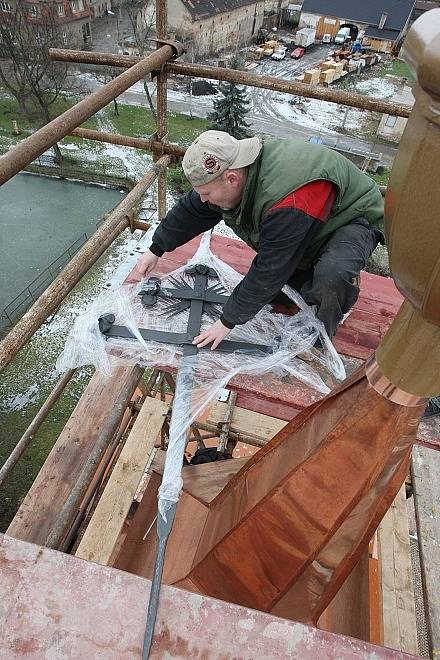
pixel 311 215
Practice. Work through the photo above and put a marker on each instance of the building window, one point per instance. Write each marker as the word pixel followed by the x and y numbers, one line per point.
pixel 77 5
pixel 5 6
pixel 383 18
pixel 38 38
pixel 60 10
pixel 34 10
pixel 390 121
pixel 65 40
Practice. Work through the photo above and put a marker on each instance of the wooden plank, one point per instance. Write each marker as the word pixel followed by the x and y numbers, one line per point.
pixel 106 523
pixel 44 500
pixel 426 484
pixel 398 606
pixel 244 421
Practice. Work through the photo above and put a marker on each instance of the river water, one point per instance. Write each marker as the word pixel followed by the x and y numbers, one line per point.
pixel 40 218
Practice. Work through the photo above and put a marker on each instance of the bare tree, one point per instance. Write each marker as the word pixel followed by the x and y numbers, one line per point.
pixel 142 17
pixel 26 69
pixel 105 75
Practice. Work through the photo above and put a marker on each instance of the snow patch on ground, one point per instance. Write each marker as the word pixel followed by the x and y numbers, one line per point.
pixel 379 88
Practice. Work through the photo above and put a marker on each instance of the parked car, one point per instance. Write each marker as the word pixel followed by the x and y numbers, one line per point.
pixel 297 53
pixel 305 37
pixel 326 38
pixel 279 54
pixel 343 35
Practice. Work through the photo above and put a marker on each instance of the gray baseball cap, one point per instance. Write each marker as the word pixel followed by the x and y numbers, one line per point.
pixel 214 152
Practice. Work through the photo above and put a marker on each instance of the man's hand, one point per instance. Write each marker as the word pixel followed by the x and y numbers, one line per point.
pixel 146 264
pixel 214 334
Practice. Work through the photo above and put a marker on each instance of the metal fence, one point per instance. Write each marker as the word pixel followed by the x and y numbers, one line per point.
pixel 114 168
pixel 21 303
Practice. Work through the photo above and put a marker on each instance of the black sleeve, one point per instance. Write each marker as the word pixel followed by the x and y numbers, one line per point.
pixel 285 234
pixel 188 218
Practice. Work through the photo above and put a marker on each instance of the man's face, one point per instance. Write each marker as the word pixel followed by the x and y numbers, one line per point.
pixel 225 191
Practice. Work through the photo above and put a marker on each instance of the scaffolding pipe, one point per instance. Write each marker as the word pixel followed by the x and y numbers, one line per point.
pixel 72 504
pixel 33 427
pixel 234 434
pixel 96 483
pixel 289 87
pixel 161 107
pixel 125 141
pixel 53 296
pixel 26 151
pixel 294 87
pixel 142 143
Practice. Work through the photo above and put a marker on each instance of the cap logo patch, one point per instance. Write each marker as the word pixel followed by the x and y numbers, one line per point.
pixel 211 163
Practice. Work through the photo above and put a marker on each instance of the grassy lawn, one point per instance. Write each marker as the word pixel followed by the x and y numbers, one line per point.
pixel 16 422
pixel 10 109
pixel 397 68
pixel 138 122
pixel 381 179
pixel 132 120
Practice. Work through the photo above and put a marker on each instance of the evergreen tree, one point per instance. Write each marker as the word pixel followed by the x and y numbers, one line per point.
pixel 230 109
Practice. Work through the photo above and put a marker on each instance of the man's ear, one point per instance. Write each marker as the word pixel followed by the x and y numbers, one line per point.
pixel 232 177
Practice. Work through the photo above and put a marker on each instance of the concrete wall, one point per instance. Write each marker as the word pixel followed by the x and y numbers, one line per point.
pixel 391 128
pixel 216 33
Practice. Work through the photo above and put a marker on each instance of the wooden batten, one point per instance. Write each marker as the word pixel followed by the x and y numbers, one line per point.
pixel 245 421
pixel 398 607
pixel 103 530
pixel 426 483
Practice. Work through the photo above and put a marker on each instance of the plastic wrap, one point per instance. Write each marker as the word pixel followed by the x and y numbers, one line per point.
pixel 203 375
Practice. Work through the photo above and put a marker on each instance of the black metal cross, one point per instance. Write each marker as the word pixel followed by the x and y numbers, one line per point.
pixel 198 299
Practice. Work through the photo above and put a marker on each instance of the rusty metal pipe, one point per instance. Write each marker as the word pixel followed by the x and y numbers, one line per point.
pixel 289 87
pixel 96 483
pixel 161 106
pixel 73 502
pixel 84 57
pixel 25 152
pixel 53 296
pixel 142 143
pixel 33 427
pixel 234 434
pixel 243 78
pixel 125 141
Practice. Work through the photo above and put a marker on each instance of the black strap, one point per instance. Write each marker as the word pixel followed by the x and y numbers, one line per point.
pixel 182 339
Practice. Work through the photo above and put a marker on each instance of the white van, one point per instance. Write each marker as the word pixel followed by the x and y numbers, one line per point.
pixel 342 35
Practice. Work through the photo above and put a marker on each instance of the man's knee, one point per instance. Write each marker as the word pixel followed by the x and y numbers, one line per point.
pixel 328 274
pixel 332 283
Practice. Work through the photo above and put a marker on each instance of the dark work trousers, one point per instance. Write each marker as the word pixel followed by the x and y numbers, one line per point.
pixel 332 282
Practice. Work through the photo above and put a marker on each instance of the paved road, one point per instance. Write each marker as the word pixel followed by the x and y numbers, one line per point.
pixel 268 108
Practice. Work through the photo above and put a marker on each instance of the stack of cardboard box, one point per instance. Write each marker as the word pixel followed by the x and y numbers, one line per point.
pixel 338 68
pixel 311 76
pixel 327 76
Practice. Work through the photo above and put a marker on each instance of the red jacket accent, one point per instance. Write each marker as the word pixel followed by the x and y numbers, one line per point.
pixel 315 198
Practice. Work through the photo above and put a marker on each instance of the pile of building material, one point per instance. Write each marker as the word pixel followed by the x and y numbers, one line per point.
pixel 331 70
pixel 337 67
pixel 311 76
pixel 327 76
pixel 269 47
